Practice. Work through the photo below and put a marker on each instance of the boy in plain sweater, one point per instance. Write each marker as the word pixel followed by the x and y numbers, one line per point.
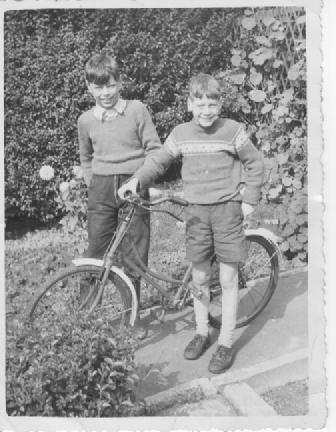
pixel 213 151
pixel 115 137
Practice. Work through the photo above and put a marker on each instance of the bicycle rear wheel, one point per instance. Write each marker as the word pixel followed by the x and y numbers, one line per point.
pixel 258 278
pixel 61 299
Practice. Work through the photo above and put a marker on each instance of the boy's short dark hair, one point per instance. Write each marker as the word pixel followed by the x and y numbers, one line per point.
pixel 100 68
pixel 204 85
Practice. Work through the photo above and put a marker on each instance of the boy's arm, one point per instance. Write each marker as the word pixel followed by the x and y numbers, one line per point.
pixel 253 164
pixel 157 157
pixel 85 151
pixel 156 162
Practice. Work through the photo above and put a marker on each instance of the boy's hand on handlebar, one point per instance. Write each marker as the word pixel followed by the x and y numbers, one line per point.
pixel 247 209
pixel 131 187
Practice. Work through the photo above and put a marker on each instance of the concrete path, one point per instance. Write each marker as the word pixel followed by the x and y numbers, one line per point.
pixel 281 329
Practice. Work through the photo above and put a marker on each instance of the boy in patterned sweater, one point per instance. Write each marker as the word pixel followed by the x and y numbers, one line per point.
pixel 213 151
pixel 115 137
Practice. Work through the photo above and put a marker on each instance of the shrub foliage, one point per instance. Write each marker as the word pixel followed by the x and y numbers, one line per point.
pixel 45 54
pixel 72 371
pixel 159 49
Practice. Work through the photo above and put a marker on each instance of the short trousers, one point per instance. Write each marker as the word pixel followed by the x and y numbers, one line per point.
pixel 215 229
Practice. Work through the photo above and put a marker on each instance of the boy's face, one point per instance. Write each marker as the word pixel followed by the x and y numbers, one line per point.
pixel 204 110
pixel 106 95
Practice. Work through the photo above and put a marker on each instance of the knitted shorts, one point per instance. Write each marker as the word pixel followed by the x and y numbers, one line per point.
pixel 215 228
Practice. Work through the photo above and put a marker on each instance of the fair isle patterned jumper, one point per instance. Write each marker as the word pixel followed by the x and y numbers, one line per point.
pixel 213 162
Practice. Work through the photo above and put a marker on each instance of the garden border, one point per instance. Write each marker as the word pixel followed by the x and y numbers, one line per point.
pixel 203 388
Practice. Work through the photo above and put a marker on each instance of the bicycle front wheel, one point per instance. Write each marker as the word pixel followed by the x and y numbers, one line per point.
pixel 257 278
pixel 70 294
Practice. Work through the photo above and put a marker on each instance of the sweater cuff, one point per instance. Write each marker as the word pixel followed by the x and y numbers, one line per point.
pixel 144 178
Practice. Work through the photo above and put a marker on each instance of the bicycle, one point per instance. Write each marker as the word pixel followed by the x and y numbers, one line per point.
pixel 112 294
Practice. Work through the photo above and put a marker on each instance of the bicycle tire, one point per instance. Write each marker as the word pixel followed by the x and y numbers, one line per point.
pixel 259 271
pixel 61 299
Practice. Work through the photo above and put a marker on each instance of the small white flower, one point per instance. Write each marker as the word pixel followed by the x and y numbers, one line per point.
pixel 46 172
pixel 73 183
pixel 77 171
pixel 64 187
pixel 180 224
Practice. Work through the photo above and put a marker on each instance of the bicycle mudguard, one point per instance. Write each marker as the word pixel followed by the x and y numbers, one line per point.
pixel 100 263
pixel 268 235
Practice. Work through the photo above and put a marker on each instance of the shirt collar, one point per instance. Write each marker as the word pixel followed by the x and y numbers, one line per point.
pixel 118 108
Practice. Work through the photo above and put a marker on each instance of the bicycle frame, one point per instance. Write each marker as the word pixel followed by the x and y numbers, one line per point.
pixel 176 300
pixel 139 267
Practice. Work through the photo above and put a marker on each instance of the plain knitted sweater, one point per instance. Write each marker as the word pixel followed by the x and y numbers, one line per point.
pixel 212 162
pixel 117 146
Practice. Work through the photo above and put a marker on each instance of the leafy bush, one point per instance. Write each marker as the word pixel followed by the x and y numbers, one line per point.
pixel 45 92
pixel 75 371
pixel 159 49
pixel 276 118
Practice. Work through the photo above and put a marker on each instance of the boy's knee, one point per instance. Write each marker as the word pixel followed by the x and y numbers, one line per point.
pixel 228 274
pixel 201 273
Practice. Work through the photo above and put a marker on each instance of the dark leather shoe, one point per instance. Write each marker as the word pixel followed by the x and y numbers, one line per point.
pixel 196 347
pixel 221 360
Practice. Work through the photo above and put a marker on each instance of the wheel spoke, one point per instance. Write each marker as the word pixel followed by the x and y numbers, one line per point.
pixel 72 294
pixel 257 281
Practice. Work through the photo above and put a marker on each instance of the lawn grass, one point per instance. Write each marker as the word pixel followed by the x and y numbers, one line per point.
pixel 32 259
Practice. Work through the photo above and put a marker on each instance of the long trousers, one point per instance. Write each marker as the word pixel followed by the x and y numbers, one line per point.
pixel 103 210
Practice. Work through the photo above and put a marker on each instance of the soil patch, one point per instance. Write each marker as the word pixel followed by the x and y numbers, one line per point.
pixel 291 399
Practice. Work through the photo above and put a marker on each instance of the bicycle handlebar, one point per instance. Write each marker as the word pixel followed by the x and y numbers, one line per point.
pixel 137 200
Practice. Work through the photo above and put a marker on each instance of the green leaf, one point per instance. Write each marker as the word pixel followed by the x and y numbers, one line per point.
pixel 287 96
pixel 275 25
pixel 279 35
pixel 297 184
pixel 301 20
pixel 261 55
pixel 257 95
pixel 238 78
pixel 128 403
pixel 280 111
pixel 236 60
pixel 248 23
pixel 302 238
pixel 282 158
pixel 255 77
pixel 266 108
pixel 268 20
pixel 287 181
pixel 293 73
pixel 277 63
pixel 273 193
pixel 263 40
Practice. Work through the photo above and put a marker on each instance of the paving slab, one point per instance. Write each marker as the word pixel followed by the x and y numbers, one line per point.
pixel 282 328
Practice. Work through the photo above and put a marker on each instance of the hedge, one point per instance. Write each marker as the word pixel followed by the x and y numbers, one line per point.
pixel 45 53
pixel 159 49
